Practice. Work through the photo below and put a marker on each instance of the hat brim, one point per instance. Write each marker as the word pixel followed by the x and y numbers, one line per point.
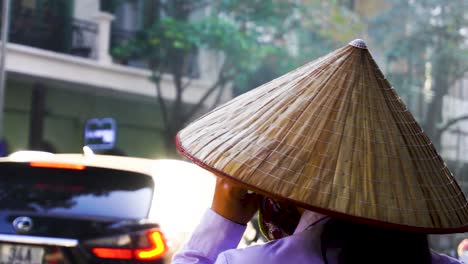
pixel 324 211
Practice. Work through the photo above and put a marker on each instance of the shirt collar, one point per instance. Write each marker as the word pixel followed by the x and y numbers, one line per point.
pixel 307 219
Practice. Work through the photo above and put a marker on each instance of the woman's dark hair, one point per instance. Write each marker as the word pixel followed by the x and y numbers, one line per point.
pixel 359 243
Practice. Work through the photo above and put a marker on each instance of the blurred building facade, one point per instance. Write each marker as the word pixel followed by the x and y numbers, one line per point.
pixel 61 74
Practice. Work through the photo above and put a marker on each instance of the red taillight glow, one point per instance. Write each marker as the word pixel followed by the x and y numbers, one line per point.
pixel 113 253
pixel 56 165
pixel 157 248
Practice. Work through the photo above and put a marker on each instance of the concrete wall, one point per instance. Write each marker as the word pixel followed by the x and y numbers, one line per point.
pixel 86 9
pixel 138 130
pixel 16 115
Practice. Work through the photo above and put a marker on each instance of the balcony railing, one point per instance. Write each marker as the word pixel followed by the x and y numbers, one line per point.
pixel 54 33
pixel 84 35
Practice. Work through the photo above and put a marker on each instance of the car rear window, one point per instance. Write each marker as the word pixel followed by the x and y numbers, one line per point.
pixel 91 191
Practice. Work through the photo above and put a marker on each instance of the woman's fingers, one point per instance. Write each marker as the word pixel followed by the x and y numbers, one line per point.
pixel 234 202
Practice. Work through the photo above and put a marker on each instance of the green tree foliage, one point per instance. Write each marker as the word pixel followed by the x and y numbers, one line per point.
pixel 426 41
pixel 321 27
pixel 258 40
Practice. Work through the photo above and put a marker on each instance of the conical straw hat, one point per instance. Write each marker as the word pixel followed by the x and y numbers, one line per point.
pixel 334 137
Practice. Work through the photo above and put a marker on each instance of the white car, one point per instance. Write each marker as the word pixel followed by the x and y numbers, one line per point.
pixel 76 208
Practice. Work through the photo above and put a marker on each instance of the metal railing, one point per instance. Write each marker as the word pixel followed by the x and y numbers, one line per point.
pixel 84 37
pixel 53 32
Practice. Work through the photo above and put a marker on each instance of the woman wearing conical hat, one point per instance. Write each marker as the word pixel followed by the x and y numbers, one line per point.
pixel 337 165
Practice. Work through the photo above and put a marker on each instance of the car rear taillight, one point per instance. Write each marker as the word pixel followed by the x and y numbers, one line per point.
pixel 56 165
pixel 113 253
pixel 143 245
pixel 156 248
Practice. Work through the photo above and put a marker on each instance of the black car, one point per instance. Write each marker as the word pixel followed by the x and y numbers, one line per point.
pixel 64 208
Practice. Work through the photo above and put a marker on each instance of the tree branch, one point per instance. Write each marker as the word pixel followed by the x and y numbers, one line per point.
pixel 451 123
pixel 162 104
pixel 200 102
pixel 457 76
pixel 222 79
pixel 221 89
pixel 186 84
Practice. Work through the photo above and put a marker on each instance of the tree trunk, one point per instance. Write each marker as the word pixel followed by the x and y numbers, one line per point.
pixel 434 117
pixel 169 142
pixel 435 107
pixel 37 113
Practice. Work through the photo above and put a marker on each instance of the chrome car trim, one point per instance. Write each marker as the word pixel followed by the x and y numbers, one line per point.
pixel 49 241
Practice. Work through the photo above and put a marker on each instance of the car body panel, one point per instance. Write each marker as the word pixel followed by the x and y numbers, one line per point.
pixel 182 192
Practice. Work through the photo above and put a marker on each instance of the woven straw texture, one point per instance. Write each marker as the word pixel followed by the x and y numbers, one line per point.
pixel 332 136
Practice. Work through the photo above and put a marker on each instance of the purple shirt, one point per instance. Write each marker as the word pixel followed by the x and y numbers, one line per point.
pixel 216 239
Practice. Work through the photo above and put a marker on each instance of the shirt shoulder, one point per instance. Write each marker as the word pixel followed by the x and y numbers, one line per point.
pixel 297 248
pixel 213 235
pixel 438 258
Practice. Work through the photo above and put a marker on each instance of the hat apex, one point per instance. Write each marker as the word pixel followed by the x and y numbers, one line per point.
pixel 358 43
